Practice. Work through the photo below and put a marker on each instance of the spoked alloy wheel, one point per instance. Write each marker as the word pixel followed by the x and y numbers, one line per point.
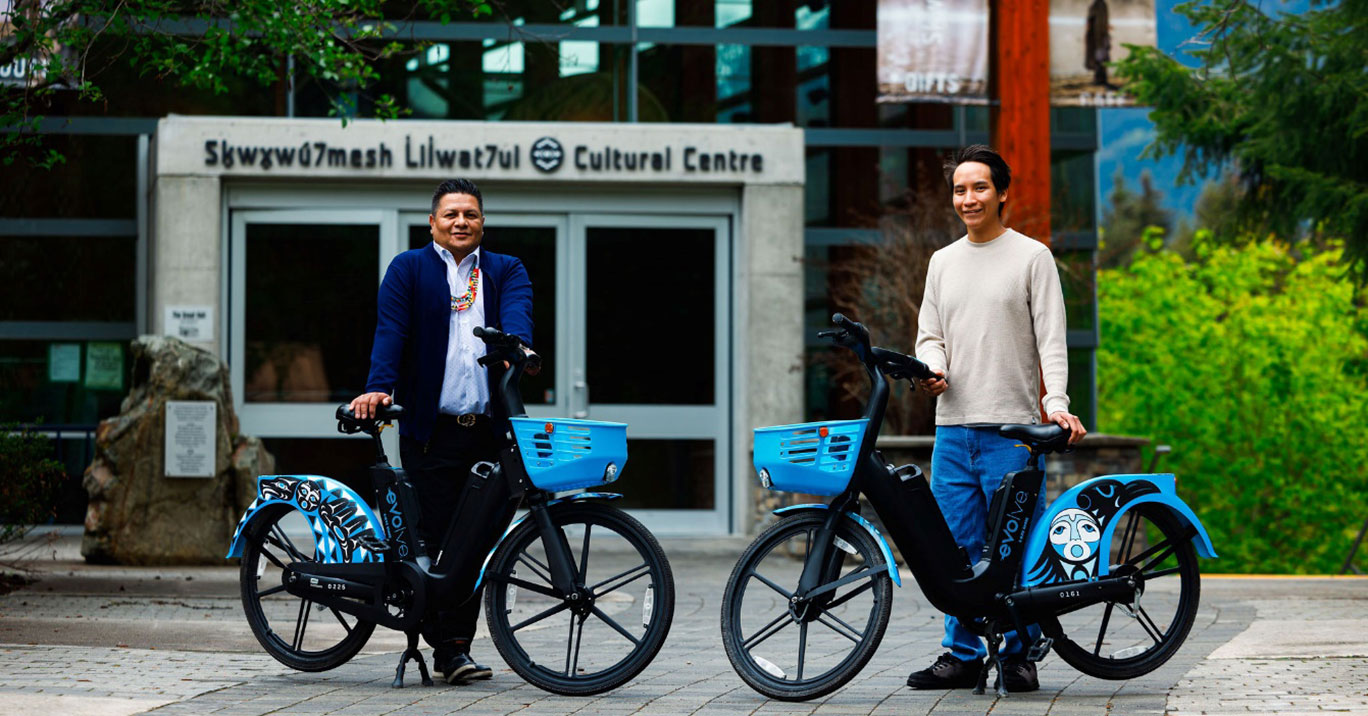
pixel 1122 640
pixel 610 631
pixel 797 650
pixel 297 632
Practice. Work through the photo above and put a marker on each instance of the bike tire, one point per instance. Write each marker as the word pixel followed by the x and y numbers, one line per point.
pixel 735 611
pixel 265 603
pixel 532 653
pixel 1085 652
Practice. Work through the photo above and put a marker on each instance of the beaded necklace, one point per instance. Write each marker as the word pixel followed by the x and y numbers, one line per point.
pixel 472 288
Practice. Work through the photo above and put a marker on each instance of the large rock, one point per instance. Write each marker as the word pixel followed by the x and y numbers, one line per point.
pixel 139 516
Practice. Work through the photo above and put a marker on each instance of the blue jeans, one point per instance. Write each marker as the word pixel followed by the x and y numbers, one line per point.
pixel 966 467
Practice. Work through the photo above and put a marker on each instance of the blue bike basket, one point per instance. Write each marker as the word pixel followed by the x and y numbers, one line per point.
pixel 562 454
pixel 812 458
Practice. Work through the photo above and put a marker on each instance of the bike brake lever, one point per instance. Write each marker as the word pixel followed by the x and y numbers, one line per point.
pixel 828 334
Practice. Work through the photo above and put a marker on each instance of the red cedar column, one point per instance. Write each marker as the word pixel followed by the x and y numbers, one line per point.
pixel 1020 81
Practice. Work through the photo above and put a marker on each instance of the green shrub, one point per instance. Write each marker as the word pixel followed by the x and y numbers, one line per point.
pixel 29 479
pixel 1249 361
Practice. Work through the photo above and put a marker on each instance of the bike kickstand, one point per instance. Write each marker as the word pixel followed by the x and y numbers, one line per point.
pixel 411 653
pixel 993 661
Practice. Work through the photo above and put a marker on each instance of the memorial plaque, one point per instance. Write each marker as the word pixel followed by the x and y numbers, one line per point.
pixel 191 439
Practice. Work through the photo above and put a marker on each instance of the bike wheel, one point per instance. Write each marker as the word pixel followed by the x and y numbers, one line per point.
pixel 317 638
pixel 830 642
pixel 623 609
pixel 1122 640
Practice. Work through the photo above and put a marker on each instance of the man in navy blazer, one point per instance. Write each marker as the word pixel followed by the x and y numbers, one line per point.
pixel 426 354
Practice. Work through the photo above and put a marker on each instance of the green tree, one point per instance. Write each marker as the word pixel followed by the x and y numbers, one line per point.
pixel 1285 97
pixel 1130 218
pixel 199 44
pixel 1250 362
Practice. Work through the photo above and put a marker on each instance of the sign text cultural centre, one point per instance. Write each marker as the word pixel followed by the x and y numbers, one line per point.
pixel 546 154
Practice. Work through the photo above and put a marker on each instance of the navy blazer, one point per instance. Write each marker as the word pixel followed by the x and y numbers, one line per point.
pixel 408 358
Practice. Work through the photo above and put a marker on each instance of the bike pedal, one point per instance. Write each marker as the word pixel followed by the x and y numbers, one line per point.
pixel 374 544
pixel 1039 649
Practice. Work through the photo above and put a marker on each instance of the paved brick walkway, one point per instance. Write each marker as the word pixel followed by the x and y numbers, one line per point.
pixel 186 650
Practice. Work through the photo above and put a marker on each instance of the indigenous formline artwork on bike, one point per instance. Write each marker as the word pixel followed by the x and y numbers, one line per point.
pixel 1076 531
pixel 338 517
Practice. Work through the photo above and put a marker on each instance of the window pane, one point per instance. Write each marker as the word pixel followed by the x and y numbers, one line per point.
pixel 68 278
pixel 309 333
pixel 794 14
pixel 98 180
pixel 511 77
pixel 1072 191
pixel 45 381
pixel 650 303
pixel 1077 276
pixel 669 475
pixel 1082 386
pixel 535 246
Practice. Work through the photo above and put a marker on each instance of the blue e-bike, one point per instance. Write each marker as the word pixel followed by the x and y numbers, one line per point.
pixel 1109 573
pixel 320 568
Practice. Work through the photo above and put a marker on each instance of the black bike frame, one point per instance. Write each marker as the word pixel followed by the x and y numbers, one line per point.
pixel 949 577
pixel 362 589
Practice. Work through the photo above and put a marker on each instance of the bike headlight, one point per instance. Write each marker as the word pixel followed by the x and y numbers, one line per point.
pixel 765 480
pixel 610 472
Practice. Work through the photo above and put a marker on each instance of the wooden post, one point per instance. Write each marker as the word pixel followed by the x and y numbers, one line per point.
pixel 1019 79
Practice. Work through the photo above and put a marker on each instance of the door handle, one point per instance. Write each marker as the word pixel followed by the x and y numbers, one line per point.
pixel 583 387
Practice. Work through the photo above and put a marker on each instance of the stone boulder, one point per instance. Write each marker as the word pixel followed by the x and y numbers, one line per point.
pixel 138 515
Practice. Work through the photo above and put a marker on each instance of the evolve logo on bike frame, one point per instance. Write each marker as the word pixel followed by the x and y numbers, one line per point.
pixel 338 517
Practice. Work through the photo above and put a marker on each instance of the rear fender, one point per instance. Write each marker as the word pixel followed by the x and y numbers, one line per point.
pixel 1086 516
pixel 337 516
pixel 864 524
pixel 568 498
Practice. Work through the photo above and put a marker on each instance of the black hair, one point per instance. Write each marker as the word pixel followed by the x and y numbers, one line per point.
pixel 983 154
pixel 456 186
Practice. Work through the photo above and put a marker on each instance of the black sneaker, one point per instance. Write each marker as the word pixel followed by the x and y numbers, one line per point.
pixel 1019 675
pixel 461 669
pixel 947 673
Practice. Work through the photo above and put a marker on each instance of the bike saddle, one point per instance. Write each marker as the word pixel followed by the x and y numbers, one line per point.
pixel 1040 438
pixel 347 422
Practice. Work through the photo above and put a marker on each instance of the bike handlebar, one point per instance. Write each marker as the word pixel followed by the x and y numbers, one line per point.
pixel 511 344
pixel 855 336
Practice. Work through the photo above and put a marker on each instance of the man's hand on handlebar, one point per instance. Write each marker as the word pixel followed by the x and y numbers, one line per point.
pixel 1069 421
pixel 534 363
pixel 934 386
pixel 364 406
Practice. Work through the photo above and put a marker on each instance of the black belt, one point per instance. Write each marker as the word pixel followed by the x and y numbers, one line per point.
pixel 465 420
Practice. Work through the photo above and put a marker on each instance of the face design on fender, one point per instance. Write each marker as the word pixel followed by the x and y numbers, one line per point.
pixel 1074 535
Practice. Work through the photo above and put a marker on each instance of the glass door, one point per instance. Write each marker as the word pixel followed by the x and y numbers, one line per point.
pixel 649 314
pixel 300 340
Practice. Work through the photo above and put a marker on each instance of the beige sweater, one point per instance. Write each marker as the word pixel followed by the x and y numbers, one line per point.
pixel 992 318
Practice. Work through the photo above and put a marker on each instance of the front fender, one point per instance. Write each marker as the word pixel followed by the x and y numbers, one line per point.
pixel 337 515
pixel 1101 501
pixel 568 498
pixel 862 522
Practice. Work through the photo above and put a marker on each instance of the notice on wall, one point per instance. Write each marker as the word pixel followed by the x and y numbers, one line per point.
pixel 64 362
pixel 933 51
pixel 191 438
pixel 104 366
pixel 193 324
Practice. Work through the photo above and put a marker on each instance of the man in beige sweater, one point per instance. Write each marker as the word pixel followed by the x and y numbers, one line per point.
pixel 991 322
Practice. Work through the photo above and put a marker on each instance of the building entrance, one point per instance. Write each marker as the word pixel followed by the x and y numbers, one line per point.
pixel 632 312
